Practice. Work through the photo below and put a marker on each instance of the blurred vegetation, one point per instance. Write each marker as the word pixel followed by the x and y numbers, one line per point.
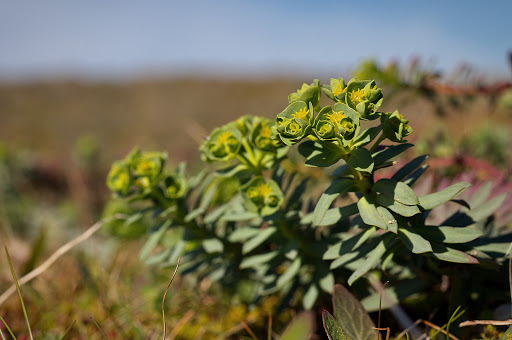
pixel 57 141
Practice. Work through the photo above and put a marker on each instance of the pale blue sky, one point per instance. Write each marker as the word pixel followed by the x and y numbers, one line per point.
pixel 128 38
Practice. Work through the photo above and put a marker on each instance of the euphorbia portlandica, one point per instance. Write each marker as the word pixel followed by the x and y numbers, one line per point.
pixel 254 218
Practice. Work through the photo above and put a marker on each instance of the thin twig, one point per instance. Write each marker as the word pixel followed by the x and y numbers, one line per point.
pixel 437 328
pixel 57 254
pixel 416 323
pixel 249 330
pixel 486 322
pixel 165 293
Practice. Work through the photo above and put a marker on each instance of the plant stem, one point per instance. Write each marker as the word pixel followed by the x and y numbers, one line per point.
pixel 376 144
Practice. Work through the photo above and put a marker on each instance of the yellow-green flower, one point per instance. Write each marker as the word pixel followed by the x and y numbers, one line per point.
pixel 332 124
pixel 395 126
pixel 118 178
pixel 262 136
pixel 262 196
pixel 364 97
pixel 222 145
pixel 294 123
pixel 336 90
pixel 147 167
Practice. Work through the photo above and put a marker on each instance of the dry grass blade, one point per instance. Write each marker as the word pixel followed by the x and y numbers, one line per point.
pixel 486 322
pixel 57 254
pixel 19 293
pixel 68 330
pixel 99 328
pixel 165 293
pixel 405 331
pixel 439 329
pixel 249 330
pixel 269 335
pixel 8 328
pixel 387 329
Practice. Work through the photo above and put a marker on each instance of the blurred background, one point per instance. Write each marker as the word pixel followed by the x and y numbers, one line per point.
pixel 82 83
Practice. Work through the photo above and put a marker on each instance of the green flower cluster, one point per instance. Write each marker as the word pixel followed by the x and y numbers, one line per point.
pixel 251 142
pixel 338 124
pixel 142 173
pixel 248 139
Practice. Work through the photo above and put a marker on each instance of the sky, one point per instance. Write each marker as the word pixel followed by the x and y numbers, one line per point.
pixel 118 39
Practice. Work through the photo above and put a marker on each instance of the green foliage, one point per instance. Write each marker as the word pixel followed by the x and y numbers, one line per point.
pixel 254 218
pixel 350 321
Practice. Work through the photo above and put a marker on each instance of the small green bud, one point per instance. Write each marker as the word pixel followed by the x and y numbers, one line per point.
pixel 307 93
pixel 395 127
pixel 118 178
pixel 336 90
pixel 175 186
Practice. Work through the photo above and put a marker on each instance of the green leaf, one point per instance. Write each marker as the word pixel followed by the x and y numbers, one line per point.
pixel 351 316
pixel 361 160
pixel 158 258
pixel 415 242
pixel 348 245
pixel 239 171
pixel 153 240
pixel 399 208
pixel 239 216
pixel 412 178
pixel 367 136
pixel 242 234
pixel 334 215
pixel 342 171
pixel 217 213
pixel 332 327
pixel 408 168
pixel 399 191
pixel 372 258
pixel 309 299
pixel 326 282
pixel 448 234
pixel 370 214
pixel 487 209
pixel 319 155
pixel 382 156
pixel 436 199
pixel 213 245
pixel 481 194
pixel 451 255
pixel 300 328
pixel 261 237
pixel 389 218
pixel 289 273
pixel 337 187
pixel 256 260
